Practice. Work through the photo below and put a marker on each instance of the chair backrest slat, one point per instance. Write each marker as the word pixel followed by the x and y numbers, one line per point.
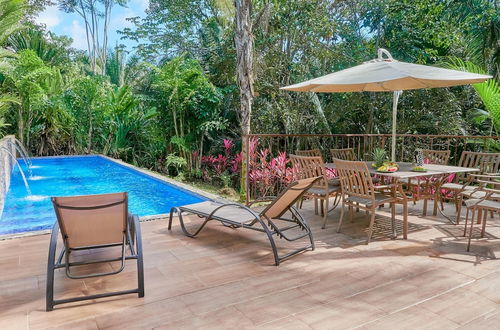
pixel 92 220
pixel 355 179
pixel 438 157
pixel 486 162
pixel 288 197
pixel 309 153
pixel 343 154
pixel 310 167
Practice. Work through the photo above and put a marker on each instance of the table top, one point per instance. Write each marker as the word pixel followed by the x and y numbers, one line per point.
pixel 405 172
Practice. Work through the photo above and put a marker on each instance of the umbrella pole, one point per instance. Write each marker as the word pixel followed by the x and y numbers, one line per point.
pixel 395 99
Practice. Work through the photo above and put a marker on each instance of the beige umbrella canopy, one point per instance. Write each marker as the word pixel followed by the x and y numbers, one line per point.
pixel 386 74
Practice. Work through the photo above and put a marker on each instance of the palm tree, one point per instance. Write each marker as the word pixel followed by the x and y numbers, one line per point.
pixel 488 91
pixel 11 12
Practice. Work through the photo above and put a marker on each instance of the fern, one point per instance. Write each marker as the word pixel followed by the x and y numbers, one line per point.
pixel 488 91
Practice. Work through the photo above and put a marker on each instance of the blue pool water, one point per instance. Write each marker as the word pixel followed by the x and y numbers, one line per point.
pixel 69 176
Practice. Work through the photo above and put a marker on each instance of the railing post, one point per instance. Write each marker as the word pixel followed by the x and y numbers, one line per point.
pixel 247 171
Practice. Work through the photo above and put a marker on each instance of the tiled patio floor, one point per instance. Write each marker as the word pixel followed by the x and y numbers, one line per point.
pixel 225 279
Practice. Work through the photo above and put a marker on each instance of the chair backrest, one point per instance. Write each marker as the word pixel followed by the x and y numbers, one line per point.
pixel 92 220
pixel 288 197
pixel 438 157
pixel 343 154
pixel 486 162
pixel 355 178
pixel 309 153
pixel 310 167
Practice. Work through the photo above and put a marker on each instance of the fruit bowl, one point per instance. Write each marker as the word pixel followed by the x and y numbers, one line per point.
pixel 388 168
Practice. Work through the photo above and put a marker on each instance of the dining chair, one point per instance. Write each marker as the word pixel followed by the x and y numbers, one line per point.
pixel 424 188
pixel 343 154
pixel 483 199
pixel 438 157
pixel 310 167
pixel 358 191
pixel 486 162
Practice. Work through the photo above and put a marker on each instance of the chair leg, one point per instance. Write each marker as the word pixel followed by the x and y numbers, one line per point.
pixel 315 206
pixel 466 221
pixel 483 230
pixel 393 220
pixel 435 205
pixel 341 217
pixel 49 293
pixel 424 212
pixel 471 229
pixel 405 219
pixel 370 229
pixel 140 260
pixel 351 213
pixel 459 209
pixel 325 212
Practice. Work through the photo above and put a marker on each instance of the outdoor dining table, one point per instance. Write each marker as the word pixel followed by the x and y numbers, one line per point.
pixel 441 172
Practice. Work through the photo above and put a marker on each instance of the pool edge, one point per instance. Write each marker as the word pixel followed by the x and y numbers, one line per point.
pixel 142 171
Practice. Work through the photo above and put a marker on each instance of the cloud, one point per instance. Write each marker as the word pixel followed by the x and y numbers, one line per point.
pixel 139 5
pixel 77 33
pixel 51 17
pixel 119 19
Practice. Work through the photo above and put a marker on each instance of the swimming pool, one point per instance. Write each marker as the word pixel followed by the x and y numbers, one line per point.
pixel 83 175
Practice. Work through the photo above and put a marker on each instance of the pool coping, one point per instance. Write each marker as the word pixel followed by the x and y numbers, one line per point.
pixel 143 171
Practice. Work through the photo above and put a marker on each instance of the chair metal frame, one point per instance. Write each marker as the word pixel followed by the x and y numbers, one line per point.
pixel 343 154
pixel 131 238
pixel 486 162
pixel 358 191
pixel 424 188
pixel 266 224
pixel 322 190
pixel 489 202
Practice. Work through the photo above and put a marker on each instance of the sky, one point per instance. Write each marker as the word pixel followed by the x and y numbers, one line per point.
pixel 72 25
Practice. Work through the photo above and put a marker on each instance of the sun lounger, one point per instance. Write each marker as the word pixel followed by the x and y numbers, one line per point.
pixel 93 222
pixel 239 216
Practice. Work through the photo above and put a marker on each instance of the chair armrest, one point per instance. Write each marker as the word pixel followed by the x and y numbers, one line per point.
pixel 490 176
pixel 386 186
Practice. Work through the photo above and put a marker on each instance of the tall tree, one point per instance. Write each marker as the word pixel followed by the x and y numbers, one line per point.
pixel 96 15
pixel 244 72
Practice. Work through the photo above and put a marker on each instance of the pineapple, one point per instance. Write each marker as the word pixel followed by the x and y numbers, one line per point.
pixel 379 157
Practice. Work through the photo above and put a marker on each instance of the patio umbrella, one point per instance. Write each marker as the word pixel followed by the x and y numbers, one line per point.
pixel 385 74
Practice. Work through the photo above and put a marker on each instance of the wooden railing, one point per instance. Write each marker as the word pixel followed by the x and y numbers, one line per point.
pixel 363 145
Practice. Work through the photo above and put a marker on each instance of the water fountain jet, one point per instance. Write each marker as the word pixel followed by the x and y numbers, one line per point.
pixel 19 167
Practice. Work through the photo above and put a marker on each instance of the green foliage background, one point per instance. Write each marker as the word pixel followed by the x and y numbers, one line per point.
pixel 176 93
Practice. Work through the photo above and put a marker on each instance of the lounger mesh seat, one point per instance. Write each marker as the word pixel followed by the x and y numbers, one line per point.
pixel 93 222
pixel 239 216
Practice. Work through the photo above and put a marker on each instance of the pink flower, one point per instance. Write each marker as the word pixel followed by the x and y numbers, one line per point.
pixel 228 145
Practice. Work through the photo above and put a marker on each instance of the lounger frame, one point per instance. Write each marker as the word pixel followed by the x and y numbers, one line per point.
pixel 260 223
pixel 131 239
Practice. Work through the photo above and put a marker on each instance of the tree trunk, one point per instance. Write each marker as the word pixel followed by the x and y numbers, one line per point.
pixel 244 72
pixel 319 110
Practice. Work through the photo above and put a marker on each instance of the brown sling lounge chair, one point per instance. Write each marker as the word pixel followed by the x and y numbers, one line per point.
pixel 239 216
pixel 93 222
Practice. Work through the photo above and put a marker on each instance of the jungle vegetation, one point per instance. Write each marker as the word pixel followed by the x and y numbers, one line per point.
pixel 180 93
